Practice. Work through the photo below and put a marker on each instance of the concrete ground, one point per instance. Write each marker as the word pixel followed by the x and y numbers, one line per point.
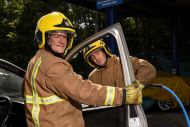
pixel 174 118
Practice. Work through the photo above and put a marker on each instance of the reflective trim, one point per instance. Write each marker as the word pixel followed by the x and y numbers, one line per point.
pixel 36 107
pixel 44 100
pixel 110 95
pixel 34 99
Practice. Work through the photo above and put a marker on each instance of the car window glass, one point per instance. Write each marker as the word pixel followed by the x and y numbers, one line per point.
pixel 10 85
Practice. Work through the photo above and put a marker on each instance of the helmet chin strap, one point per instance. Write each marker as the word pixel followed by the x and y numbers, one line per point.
pixel 48 48
pixel 101 66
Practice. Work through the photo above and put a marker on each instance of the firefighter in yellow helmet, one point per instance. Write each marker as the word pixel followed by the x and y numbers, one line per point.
pixel 54 24
pixel 108 70
pixel 53 91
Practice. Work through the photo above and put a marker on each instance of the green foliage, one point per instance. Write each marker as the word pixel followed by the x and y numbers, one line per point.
pixel 18 20
pixel 146 34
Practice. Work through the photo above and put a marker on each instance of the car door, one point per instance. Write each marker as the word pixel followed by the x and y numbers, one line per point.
pixel 126 116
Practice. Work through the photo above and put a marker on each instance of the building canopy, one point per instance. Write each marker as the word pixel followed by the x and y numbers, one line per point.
pixel 145 8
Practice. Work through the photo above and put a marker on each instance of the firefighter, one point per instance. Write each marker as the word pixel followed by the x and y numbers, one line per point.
pixel 53 91
pixel 108 70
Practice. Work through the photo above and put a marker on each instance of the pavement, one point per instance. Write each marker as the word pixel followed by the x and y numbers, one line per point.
pixel 174 118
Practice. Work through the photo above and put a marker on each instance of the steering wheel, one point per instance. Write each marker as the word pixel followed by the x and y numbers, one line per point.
pixel 5 109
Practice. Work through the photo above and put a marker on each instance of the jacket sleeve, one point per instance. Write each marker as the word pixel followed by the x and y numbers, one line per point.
pixel 63 81
pixel 144 71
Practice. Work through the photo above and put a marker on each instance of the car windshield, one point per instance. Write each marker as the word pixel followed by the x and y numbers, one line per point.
pixel 11 85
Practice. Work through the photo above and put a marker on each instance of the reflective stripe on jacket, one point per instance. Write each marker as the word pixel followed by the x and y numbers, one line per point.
pixel 53 91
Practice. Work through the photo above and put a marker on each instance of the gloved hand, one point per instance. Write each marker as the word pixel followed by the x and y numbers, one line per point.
pixel 134 93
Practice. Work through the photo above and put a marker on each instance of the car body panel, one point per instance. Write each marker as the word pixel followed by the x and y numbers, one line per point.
pixel 178 84
pixel 11 77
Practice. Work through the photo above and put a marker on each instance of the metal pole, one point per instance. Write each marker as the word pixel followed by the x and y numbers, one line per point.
pixel 111 18
pixel 174 47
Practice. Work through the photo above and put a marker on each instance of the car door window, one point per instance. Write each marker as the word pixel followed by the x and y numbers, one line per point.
pixel 10 85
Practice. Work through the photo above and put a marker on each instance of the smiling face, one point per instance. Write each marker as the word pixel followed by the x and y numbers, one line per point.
pixel 98 57
pixel 58 41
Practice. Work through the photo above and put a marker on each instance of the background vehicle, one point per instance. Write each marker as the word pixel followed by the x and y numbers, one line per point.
pixel 164 100
pixel 11 77
pixel 158 97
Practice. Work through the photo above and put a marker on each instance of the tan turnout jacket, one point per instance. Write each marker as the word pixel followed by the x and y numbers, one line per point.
pixel 112 74
pixel 53 91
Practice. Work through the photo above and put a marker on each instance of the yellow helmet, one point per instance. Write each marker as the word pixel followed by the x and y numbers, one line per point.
pixel 54 21
pixel 90 48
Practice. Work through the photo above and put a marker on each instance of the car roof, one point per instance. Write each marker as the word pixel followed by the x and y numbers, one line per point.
pixel 12 67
